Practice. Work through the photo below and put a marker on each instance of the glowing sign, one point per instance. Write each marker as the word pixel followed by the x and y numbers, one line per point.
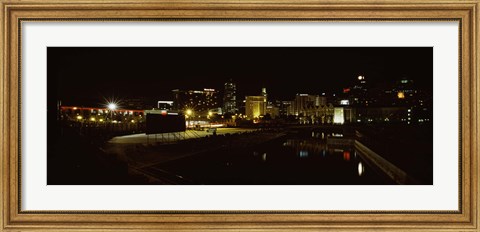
pixel 344 102
pixel 209 90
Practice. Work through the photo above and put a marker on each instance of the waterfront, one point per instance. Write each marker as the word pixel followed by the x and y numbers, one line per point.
pixel 364 118
pixel 290 159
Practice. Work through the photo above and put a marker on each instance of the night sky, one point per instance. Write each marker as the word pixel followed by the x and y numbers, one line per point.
pixel 88 75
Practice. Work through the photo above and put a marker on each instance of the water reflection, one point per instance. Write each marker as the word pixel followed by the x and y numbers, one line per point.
pixel 308 148
pixel 346 155
pixel 304 148
pixel 361 169
pixel 303 154
pixel 306 145
pixel 297 158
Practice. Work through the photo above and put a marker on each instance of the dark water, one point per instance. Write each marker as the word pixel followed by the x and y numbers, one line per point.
pixel 296 159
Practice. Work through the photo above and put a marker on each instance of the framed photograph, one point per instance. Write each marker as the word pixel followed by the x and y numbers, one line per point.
pixel 255 116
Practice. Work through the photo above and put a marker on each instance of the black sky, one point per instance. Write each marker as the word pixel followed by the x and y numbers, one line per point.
pixel 87 75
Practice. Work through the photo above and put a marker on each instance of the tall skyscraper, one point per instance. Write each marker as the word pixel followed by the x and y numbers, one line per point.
pixel 230 98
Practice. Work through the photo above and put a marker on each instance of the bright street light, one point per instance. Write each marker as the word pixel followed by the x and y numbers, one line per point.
pixel 189 112
pixel 112 106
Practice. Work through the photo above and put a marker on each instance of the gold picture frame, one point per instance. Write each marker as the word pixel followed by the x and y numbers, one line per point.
pixel 14 12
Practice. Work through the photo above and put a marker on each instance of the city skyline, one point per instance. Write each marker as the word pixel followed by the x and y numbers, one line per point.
pixel 235 116
pixel 88 75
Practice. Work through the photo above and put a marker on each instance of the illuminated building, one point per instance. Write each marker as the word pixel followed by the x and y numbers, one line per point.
pixel 405 92
pixel 255 106
pixel 100 115
pixel 273 111
pixel 356 95
pixel 338 117
pixel 264 92
pixel 199 101
pixel 303 102
pixel 165 105
pixel 359 92
pixel 385 102
pixel 312 109
pixel 284 108
pixel 230 98
pixel 375 114
pixel 215 111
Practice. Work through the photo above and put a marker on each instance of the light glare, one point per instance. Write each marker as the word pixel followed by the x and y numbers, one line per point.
pixel 112 106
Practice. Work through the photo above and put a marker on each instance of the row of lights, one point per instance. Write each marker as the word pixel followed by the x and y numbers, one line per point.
pixel 93 119
pixel 189 113
pixel 111 106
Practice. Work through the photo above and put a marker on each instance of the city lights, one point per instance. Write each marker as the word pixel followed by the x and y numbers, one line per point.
pixel 227 120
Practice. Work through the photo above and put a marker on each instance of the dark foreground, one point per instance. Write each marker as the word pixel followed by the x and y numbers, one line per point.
pixel 305 156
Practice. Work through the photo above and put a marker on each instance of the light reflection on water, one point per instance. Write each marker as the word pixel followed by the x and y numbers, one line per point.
pixel 316 149
pixel 292 159
pixel 264 157
pixel 361 169
pixel 346 155
pixel 303 154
